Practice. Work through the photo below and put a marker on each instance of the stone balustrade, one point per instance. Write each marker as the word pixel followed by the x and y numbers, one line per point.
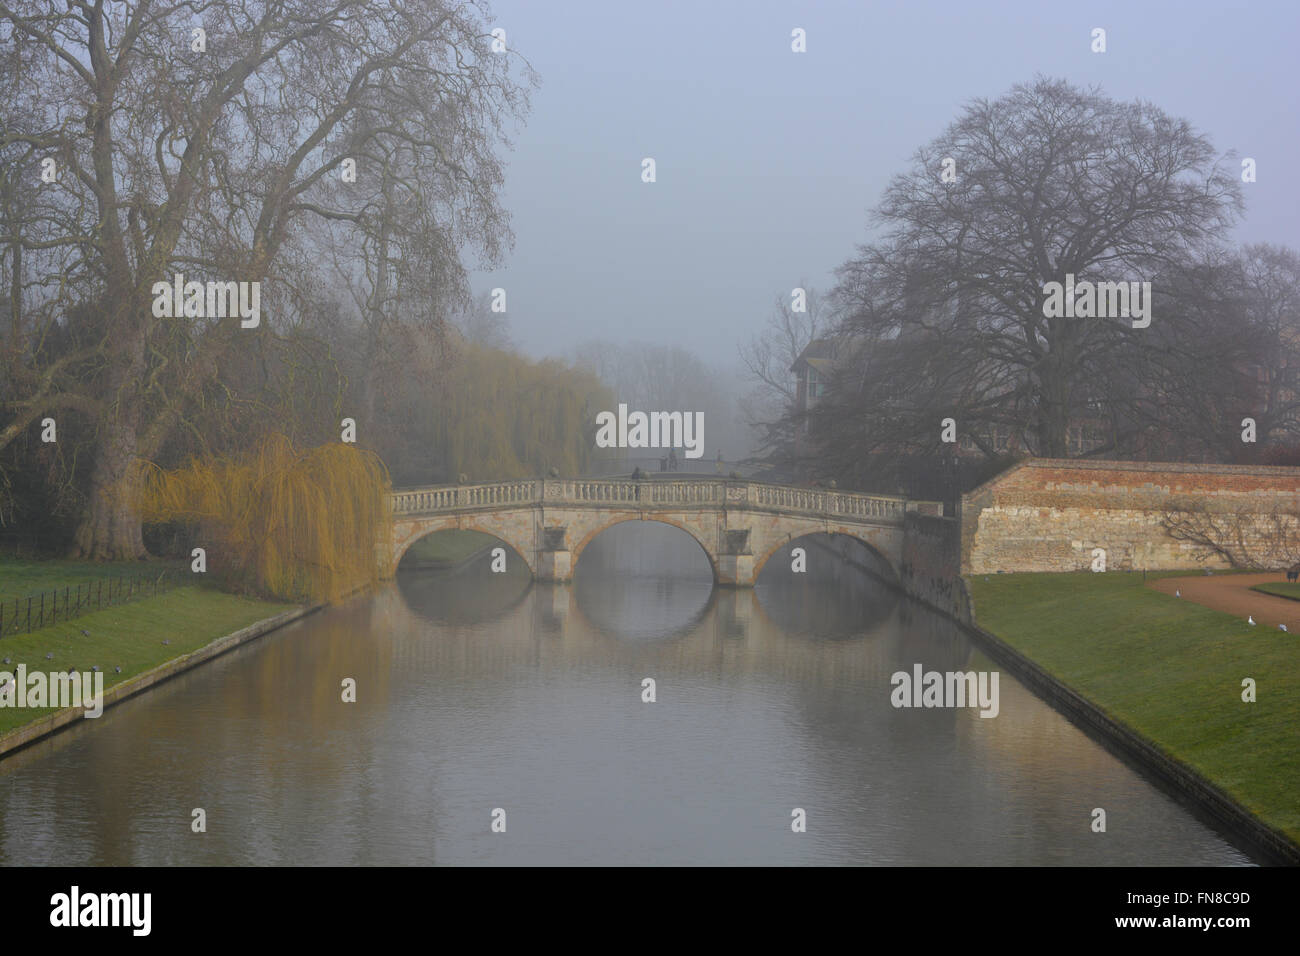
pixel 649 494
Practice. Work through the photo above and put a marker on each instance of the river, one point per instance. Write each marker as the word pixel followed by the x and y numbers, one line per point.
pixel 482 697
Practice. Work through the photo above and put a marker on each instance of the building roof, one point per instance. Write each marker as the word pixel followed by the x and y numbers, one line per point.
pixel 819 353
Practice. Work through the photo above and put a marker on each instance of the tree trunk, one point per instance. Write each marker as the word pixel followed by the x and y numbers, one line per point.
pixel 110 527
pixel 111 524
pixel 1053 432
pixel 1053 411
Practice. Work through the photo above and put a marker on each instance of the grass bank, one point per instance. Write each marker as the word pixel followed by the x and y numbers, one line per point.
pixel 129 636
pixel 445 548
pixel 1169 669
pixel 20 578
pixel 1277 589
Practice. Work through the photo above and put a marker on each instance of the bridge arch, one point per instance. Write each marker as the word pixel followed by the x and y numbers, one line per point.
pixel 603 526
pixel 872 547
pixel 493 524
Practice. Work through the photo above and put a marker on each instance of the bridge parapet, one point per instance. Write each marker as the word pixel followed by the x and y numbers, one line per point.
pixel 702 491
pixel 439 498
pixel 663 493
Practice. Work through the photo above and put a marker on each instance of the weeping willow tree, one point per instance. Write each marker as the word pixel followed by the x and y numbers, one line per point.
pixel 502 416
pixel 297 525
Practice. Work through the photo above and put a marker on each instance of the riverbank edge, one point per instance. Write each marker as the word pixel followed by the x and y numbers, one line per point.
pixel 1189 784
pixel 37 730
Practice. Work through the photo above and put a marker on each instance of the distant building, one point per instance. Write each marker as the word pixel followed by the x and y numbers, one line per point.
pixel 812 370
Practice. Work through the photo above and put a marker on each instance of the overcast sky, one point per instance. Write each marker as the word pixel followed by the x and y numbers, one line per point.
pixel 768 160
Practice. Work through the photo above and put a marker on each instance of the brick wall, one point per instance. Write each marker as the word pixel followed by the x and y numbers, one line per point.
pixel 1049 514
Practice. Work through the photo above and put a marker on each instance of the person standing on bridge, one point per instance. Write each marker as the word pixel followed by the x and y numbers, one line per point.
pixel 672 459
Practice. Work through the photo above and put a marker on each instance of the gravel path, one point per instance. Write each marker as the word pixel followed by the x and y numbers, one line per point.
pixel 1232 593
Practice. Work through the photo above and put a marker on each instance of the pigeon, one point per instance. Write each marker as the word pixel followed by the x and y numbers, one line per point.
pixel 49 656
pixel 1177 593
pixel 85 633
pixel 95 668
pixel 6 660
pixel 117 670
pixel 1250 620
pixel 166 642
pixel 1282 627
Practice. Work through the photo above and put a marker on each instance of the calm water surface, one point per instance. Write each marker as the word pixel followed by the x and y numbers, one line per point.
pixel 478 691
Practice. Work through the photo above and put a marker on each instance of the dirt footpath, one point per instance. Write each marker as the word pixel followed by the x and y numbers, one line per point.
pixel 1232 593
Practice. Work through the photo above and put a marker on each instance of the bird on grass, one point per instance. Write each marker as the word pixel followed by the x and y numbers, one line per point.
pixel 95 668
pixel 166 642
pixel 1282 627
pixel 1250 620
pixel 49 656
pixel 117 670
pixel 6 660
pixel 1177 593
pixel 85 633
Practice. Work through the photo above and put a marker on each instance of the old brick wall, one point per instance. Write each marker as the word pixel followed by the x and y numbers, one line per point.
pixel 1049 514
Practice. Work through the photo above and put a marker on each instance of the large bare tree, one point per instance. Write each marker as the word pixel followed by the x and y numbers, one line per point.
pixel 220 155
pixel 1047 181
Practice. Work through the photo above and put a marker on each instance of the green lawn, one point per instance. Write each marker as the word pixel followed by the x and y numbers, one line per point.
pixel 21 578
pixel 447 547
pixel 1279 588
pixel 129 636
pixel 1171 670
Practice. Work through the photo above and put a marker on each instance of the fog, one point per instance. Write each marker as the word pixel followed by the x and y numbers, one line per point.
pixel 767 161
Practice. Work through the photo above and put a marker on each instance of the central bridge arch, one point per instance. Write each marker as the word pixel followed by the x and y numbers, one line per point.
pixel 668 520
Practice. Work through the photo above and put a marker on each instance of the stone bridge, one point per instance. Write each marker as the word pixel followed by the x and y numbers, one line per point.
pixel 738 524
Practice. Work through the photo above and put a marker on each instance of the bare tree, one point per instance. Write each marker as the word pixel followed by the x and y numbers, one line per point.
pixel 1245 537
pixel 479 325
pixel 210 156
pixel 769 355
pixel 1272 295
pixel 1045 182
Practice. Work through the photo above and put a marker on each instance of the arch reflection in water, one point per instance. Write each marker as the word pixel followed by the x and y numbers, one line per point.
pixel 467 594
pixel 835 598
pixel 644 581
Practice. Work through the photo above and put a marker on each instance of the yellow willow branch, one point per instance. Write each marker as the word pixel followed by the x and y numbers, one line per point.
pixel 295 525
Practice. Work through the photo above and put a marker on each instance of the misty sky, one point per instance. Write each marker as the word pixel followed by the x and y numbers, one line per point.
pixel 769 160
